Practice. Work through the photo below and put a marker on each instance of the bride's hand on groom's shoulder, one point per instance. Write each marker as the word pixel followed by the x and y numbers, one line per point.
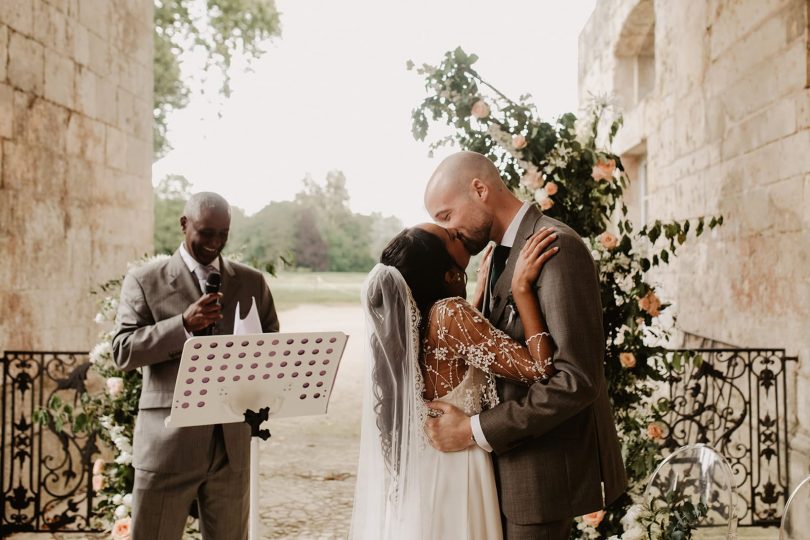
pixel 447 427
pixel 533 256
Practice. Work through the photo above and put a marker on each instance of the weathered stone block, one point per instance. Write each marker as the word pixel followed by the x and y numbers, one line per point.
pixel 803 110
pixel 116 148
pixel 50 26
pixel 85 138
pixel 82 182
pixel 107 101
pixel 39 122
pixel 6 111
pixel 19 15
pixel 93 14
pixel 59 79
pixel 3 51
pixel 86 84
pixel 771 124
pixel 26 63
pixel 787 199
pixel 733 19
pixel 78 38
pixel 795 158
pixel 99 55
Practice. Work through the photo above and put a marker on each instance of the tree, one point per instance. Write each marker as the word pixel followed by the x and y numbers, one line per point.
pixel 170 195
pixel 218 29
pixel 311 250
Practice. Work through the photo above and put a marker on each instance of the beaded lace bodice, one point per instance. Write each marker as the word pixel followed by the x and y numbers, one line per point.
pixel 462 353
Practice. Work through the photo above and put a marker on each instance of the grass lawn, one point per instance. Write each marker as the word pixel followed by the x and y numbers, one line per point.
pixel 292 289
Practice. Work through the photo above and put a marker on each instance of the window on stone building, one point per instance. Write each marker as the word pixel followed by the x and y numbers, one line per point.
pixel 635 56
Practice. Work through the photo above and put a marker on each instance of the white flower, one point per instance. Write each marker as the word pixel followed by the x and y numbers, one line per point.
pixel 121 511
pixel 115 385
pixel 124 458
pixel 128 500
pixel 101 352
pixel 540 195
pixel 117 499
pixel 99 318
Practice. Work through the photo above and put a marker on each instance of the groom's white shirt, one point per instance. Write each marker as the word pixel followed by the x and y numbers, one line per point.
pixel 508 240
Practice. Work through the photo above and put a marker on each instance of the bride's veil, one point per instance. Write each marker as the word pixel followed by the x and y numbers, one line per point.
pixel 388 496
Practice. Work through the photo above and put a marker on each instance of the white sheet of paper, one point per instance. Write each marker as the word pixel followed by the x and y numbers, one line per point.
pixel 250 324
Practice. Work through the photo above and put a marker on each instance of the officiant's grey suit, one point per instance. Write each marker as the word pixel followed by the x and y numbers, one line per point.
pixel 555 448
pixel 175 465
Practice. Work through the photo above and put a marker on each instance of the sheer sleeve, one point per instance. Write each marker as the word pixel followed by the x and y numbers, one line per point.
pixel 460 332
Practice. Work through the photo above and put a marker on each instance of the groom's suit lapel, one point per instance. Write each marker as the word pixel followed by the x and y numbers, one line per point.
pixel 503 287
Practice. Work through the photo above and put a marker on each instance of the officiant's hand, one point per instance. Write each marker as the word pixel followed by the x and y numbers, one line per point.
pixel 450 431
pixel 203 313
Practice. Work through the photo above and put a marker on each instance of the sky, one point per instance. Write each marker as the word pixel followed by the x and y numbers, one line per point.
pixel 333 92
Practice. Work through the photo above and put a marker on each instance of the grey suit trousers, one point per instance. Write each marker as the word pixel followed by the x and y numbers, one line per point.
pixel 557 530
pixel 161 501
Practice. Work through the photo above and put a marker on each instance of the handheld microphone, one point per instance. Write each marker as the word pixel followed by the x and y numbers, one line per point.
pixel 212 285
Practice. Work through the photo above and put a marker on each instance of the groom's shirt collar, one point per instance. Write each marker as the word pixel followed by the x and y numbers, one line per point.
pixel 511 231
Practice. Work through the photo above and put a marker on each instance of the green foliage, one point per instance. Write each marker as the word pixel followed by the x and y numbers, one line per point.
pixel 170 196
pixel 217 29
pixel 566 166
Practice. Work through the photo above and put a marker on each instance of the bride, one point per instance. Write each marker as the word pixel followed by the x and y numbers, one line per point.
pixel 425 342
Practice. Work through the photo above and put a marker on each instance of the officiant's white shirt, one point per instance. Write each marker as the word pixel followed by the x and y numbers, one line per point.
pixel 508 240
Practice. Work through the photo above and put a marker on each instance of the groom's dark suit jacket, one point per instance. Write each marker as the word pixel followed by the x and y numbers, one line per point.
pixel 556 451
pixel 149 335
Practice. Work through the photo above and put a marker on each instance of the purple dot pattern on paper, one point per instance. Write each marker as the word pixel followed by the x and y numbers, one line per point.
pixel 304 350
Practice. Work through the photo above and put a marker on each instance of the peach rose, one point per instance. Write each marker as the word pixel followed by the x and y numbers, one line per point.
pixel 627 360
pixel 603 170
pixel 122 530
pixel 551 188
pixel 480 109
pixel 98 466
pixel 532 180
pixel 655 431
pixel 546 204
pixel 608 240
pixel 115 385
pixel 594 518
pixel 98 482
pixel 650 303
pixel 519 142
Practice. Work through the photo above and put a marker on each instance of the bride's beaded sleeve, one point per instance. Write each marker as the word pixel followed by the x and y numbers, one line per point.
pixel 458 336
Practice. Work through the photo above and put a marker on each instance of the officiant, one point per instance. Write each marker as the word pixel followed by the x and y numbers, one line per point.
pixel 163 304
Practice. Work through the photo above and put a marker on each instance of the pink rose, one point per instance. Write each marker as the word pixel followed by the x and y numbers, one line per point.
pixel 480 109
pixel 98 482
pixel 650 303
pixel 655 431
pixel 532 180
pixel 608 240
pixel 98 466
pixel 594 518
pixel 551 188
pixel 115 385
pixel 122 530
pixel 603 170
pixel 627 360
pixel 519 142
pixel 546 204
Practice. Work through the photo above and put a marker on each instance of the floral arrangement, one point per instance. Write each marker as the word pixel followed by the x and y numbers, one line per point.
pixel 109 414
pixel 567 168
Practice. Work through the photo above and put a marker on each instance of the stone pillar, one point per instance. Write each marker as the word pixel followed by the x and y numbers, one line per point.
pixel 75 161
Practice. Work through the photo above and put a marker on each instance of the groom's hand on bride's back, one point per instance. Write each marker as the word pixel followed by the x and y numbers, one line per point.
pixel 448 428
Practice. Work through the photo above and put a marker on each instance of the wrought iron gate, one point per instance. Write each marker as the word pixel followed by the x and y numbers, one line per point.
pixel 46 475
pixel 735 400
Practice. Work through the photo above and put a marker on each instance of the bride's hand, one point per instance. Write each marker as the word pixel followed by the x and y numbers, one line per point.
pixel 482 277
pixel 532 258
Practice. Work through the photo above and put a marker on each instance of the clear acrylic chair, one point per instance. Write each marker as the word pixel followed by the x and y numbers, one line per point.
pixel 696 473
pixel 796 517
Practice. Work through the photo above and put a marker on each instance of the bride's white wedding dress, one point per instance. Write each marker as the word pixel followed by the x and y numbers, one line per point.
pixel 405 488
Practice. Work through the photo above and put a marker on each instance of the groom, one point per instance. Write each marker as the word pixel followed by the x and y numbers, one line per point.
pixel 554 445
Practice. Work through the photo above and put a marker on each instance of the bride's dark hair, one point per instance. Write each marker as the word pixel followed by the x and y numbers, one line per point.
pixel 423 260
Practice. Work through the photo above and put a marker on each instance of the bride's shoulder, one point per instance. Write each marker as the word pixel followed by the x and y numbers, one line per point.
pixel 452 307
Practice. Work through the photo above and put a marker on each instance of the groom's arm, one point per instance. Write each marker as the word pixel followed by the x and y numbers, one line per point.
pixel 569 298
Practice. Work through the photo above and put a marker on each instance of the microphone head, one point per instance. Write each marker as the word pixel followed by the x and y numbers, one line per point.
pixel 213 282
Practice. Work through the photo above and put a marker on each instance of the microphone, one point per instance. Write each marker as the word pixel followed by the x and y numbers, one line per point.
pixel 212 285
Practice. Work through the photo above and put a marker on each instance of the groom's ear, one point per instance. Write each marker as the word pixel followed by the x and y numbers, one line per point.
pixel 480 189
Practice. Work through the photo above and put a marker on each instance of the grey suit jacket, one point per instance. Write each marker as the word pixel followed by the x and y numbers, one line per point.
pixel 149 335
pixel 555 445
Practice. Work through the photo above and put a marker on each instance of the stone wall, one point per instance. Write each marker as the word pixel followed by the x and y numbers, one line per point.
pixel 724 128
pixel 75 161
